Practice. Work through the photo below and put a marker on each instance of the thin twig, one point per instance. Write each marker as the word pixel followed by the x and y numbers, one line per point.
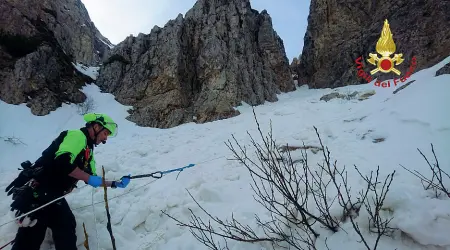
pixel 437 176
pixel 285 190
pixel 86 240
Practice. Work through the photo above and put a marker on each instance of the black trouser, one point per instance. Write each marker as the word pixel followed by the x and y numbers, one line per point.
pixel 59 218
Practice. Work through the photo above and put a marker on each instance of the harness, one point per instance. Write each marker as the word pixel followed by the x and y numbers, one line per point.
pixel 87 159
pixel 87 154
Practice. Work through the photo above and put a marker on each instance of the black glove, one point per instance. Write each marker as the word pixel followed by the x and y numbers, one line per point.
pixel 26 195
pixel 20 181
pixel 25 199
pixel 24 176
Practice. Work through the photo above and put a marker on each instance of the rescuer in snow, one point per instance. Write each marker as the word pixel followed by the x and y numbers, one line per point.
pixel 68 159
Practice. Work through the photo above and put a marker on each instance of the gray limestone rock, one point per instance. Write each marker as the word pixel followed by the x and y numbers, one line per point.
pixel 220 54
pixel 39 41
pixel 340 31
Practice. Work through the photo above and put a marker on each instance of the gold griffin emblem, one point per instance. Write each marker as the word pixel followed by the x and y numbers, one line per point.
pixel 385 47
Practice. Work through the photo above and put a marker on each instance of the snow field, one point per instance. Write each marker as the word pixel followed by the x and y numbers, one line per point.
pixel 413 118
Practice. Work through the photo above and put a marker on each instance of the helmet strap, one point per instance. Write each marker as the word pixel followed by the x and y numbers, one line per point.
pixel 97 133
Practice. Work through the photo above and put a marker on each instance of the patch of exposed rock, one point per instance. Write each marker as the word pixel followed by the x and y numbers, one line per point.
pixel 220 54
pixel 403 86
pixel 348 96
pixel 39 41
pixel 68 20
pixel 341 31
pixel 443 70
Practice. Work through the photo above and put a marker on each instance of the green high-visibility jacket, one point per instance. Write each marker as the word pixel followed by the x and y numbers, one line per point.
pixel 71 149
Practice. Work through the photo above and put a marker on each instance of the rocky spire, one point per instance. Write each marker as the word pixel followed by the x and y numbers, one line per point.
pixel 220 54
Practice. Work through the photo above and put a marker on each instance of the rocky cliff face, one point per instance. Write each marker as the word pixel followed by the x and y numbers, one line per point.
pixel 341 31
pixel 221 53
pixel 39 40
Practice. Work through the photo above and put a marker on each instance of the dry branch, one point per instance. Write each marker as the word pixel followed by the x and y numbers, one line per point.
pixel 86 241
pixel 108 225
pixel 437 179
pixel 352 208
pixel 286 190
pixel 233 229
pixel 285 148
pixel 13 140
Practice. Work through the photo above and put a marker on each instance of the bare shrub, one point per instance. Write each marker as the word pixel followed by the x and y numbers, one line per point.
pixel 436 183
pixel 13 140
pixel 351 208
pixel 234 230
pixel 87 106
pixel 298 197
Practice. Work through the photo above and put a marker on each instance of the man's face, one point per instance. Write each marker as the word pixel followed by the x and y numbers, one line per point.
pixel 102 136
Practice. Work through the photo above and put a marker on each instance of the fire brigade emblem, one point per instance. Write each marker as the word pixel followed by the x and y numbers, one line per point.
pixel 385 47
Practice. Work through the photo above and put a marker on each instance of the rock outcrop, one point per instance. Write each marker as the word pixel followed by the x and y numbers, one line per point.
pixel 443 70
pixel 39 41
pixel 220 54
pixel 341 31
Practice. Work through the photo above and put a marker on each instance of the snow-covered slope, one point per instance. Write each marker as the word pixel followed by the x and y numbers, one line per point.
pixel 413 118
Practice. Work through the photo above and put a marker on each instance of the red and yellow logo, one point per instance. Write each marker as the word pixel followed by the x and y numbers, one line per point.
pixel 385 47
pixel 385 63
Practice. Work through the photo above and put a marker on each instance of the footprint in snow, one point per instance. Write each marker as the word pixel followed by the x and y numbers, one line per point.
pixel 209 195
pixel 278 113
pixel 232 177
pixel 165 151
pixel 443 129
pixel 141 153
pixel 416 121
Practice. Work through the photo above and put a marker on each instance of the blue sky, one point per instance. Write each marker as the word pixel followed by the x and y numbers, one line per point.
pixel 117 19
